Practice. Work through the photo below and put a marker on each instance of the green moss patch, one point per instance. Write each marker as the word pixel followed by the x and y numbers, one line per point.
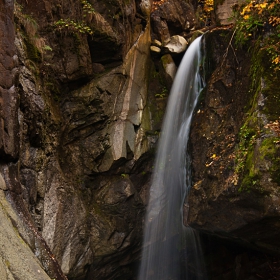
pixel 271 89
pixel 32 52
pixel 249 182
pixel 266 78
pixel 270 150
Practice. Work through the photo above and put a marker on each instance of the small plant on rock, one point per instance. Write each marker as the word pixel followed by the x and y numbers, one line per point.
pixel 30 32
pixel 77 26
pixel 260 20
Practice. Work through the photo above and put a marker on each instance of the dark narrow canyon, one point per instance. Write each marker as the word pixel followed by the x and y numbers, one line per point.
pixel 83 90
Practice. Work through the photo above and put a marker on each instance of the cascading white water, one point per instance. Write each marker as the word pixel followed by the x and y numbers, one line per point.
pixel 171 250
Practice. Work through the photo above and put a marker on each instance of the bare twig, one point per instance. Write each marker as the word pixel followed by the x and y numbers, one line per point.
pixel 229 45
pixel 234 54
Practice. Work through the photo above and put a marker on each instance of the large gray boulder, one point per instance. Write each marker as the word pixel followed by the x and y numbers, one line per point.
pixel 176 44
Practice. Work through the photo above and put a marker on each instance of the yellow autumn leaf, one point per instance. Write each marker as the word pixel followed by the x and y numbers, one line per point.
pixel 263 5
pixel 276 60
pixel 246 9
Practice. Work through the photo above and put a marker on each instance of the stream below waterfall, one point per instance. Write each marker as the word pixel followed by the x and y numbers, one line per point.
pixel 172 250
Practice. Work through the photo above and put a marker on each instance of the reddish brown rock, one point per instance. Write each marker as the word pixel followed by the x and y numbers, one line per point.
pixel 235 182
pixel 9 130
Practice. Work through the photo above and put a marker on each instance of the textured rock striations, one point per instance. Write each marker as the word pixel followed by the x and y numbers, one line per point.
pixel 74 117
pixel 9 141
pixel 81 105
pixel 17 255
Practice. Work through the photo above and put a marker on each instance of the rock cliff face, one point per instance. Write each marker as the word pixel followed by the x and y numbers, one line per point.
pixel 80 113
pixel 81 104
pixel 224 12
pixel 74 117
pixel 9 143
pixel 235 152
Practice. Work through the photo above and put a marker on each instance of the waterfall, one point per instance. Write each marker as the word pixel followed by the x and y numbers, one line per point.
pixel 170 249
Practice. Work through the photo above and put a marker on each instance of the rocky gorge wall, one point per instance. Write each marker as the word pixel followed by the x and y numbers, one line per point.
pixel 235 150
pixel 80 117
pixel 81 103
pixel 73 117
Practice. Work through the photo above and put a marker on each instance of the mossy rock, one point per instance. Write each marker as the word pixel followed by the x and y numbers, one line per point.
pixel 267 156
pixel 270 151
pixel 32 52
pixel 250 182
pixel 268 78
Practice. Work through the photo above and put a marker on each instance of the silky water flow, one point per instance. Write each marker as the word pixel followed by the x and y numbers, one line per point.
pixel 172 250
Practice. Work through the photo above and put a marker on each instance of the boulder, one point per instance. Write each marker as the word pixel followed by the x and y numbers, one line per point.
pixel 224 12
pixel 156 43
pixel 155 49
pixel 169 69
pixel 177 44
